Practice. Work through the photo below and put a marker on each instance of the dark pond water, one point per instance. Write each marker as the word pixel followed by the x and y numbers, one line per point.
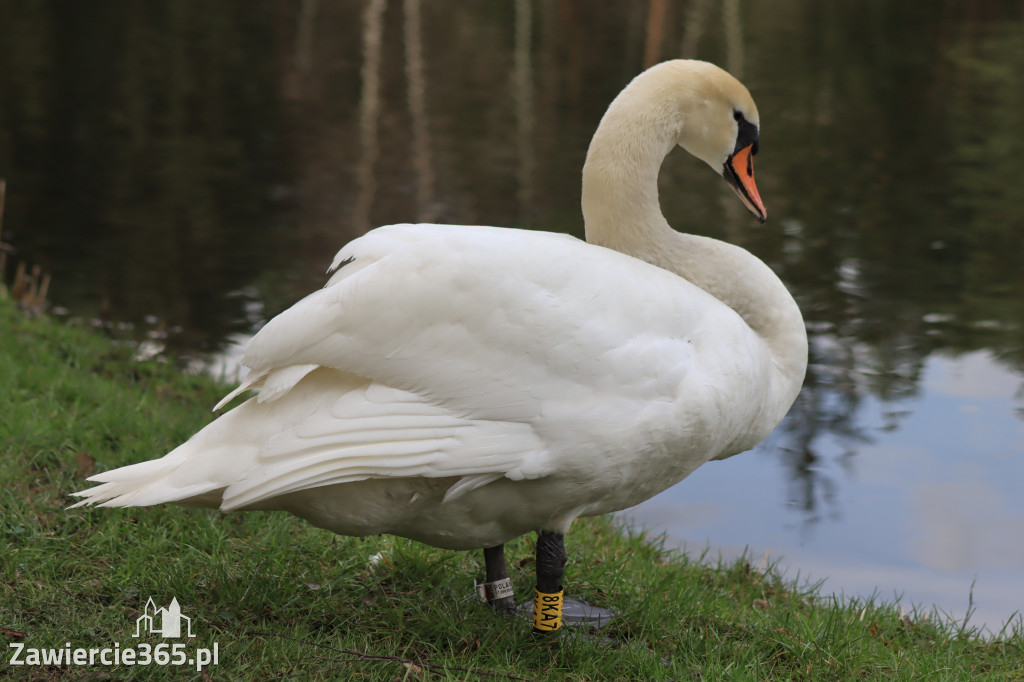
pixel 185 170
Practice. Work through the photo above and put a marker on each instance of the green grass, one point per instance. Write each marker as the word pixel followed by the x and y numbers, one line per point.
pixel 283 600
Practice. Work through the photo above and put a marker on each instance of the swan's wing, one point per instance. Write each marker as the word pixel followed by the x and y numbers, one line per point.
pixel 331 428
pixel 380 432
pixel 489 323
pixel 482 348
pixel 488 353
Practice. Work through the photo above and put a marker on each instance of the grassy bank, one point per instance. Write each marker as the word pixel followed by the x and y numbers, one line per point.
pixel 284 600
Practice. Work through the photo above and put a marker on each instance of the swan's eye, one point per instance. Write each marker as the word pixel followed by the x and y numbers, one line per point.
pixel 741 120
pixel 746 133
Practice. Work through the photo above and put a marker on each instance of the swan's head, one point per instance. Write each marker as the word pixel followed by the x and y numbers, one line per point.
pixel 719 123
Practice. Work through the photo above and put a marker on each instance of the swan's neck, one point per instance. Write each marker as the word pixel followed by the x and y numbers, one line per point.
pixel 621 211
pixel 620 181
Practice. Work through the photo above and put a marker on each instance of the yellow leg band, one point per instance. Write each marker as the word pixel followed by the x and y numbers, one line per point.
pixel 547 611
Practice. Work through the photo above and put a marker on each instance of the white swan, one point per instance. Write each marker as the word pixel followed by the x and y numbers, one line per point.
pixel 462 386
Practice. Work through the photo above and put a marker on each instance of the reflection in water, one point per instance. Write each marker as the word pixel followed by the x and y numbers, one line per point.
pixel 523 87
pixel 369 112
pixel 925 509
pixel 158 154
pixel 417 86
pixel 304 38
pixel 131 137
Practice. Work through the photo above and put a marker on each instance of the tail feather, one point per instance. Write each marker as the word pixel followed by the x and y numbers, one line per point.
pixel 143 485
pixel 330 428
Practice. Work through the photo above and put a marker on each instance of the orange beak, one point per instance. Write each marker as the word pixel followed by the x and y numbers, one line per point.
pixel 739 173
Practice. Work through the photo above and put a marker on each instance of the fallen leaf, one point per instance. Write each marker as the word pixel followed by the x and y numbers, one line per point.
pixel 85 465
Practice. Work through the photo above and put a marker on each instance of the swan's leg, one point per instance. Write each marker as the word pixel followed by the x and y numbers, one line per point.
pixel 497 590
pixel 547 604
